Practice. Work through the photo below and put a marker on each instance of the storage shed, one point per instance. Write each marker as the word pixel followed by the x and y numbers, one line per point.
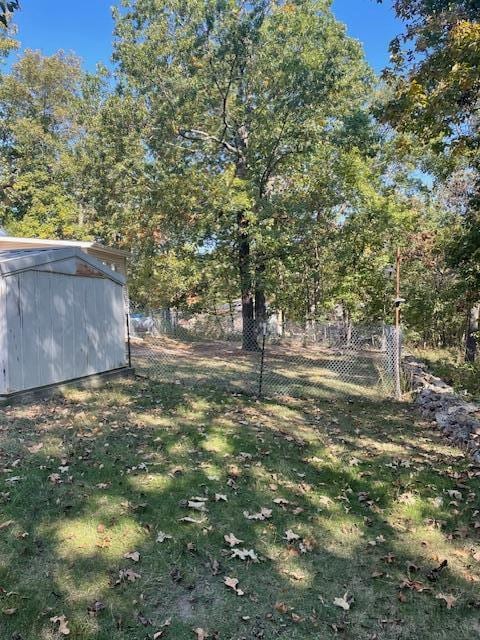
pixel 62 317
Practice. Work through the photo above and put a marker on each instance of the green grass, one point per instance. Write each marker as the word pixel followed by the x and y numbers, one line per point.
pixel 449 365
pixel 312 372
pixel 355 471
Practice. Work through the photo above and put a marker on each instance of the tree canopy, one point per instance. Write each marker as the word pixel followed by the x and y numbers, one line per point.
pixel 245 150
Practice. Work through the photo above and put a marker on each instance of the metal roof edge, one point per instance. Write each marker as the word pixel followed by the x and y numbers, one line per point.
pixel 16 264
pixel 45 242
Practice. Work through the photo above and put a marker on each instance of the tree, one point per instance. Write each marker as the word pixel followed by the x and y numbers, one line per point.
pixel 39 114
pixel 435 91
pixel 7 7
pixel 7 43
pixel 245 91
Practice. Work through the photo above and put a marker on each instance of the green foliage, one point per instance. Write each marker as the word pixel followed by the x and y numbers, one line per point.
pixel 7 7
pixel 39 105
pixel 234 153
pixel 435 85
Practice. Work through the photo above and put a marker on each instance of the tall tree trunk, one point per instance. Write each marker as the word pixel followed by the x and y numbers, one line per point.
pixel 472 334
pixel 249 336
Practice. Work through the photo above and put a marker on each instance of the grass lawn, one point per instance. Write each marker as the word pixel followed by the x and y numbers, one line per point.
pixel 361 502
pixel 289 369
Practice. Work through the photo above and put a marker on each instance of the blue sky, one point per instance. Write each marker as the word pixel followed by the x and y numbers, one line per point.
pixel 85 27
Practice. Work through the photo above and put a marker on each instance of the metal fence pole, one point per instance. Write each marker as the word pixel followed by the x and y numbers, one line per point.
pixel 129 347
pixel 397 360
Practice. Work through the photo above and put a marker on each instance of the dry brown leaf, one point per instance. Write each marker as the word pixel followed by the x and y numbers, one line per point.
pixel 6 524
pixel 447 598
pixel 344 603
pixel 62 624
pixel 290 536
pixel 35 448
pixel 263 514
pixel 197 505
pixel 132 555
pixel 232 583
pixel 244 554
pixel 231 539
pixel 281 607
pixel 191 520
pixel 162 536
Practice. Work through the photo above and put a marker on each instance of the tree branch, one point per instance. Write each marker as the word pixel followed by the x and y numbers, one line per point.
pixel 197 135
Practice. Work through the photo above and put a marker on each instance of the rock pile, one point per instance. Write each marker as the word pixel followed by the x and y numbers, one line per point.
pixel 458 419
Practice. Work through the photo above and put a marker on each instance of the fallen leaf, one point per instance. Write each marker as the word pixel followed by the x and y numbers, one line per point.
pixel 221 497
pixel 200 633
pixel 414 585
pixel 9 612
pixel 127 575
pixel 132 555
pixel 290 536
pixel 281 607
pixel 232 583
pixel 197 506
pixel 231 539
pixel 35 448
pixel 263 514
pixel 6 524
pixel 162 536
pixel 434 574
pixel 448 598
pixel 62 624
pixel 191 520
pixel 244 554
pixel 344 603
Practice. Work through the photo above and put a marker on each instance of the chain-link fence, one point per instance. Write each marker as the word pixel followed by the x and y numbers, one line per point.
pixel 276 358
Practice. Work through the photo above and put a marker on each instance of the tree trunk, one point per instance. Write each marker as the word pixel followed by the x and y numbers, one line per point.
pixel 249 337
pixel 472 334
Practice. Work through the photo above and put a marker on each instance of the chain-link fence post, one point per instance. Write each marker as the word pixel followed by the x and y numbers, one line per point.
pixel 129 345
pixel 397 362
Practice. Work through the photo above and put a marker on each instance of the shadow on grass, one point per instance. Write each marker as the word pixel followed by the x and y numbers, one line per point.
pixel 126 458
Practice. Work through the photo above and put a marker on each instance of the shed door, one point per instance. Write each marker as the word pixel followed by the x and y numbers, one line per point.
pixel 61 327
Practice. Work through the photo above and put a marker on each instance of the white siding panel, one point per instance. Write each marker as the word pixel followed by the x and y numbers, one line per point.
pixel 58 327
pixel 3 337
pixel 14 333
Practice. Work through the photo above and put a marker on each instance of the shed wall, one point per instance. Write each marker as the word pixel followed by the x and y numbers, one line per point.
pixel 61 327
pixel 3 335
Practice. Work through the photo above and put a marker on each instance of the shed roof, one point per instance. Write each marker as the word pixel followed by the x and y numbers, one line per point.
pixel 7 242
pixel 15 261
